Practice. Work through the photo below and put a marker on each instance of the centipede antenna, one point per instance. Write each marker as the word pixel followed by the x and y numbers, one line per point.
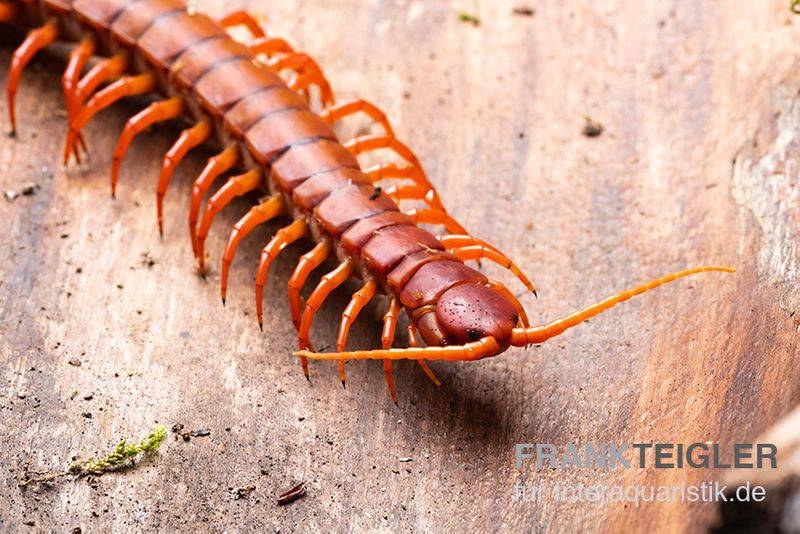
pixel 540 334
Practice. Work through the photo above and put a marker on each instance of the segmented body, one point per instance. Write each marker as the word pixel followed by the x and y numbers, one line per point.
pixel 234 93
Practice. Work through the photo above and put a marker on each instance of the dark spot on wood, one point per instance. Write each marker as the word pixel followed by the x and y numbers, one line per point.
pixel 524 11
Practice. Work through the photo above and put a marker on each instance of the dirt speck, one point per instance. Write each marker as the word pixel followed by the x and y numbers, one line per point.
pixel 591 127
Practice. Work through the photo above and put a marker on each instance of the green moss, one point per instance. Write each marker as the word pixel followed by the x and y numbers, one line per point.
pixel 122 454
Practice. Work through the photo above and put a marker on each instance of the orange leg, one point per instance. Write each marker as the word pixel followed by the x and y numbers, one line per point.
pixel 102 72
pixel 414 192
pixel 503 290
pixel 470 351
pixel 189 138
pixel 127 86
pixel 481 250
pixel 308 262
pixel 222 162
pixel 155 112
pixel 420 191
pixel 327 284
pixel 283 238
pixel 242 18
pixel 337 112
pixel 257 215
pixel 436 216
pixel 78 59
pixel 234 187
pixel 35 41
pixel 270 47
pixel 368 143
pixel 307 70
pixel 414 342
pixel 357 303
pixel 383 171
pixel 387 338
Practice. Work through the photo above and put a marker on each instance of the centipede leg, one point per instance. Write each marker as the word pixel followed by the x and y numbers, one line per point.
pixel 234 187
pixel 308 262
pixel 257 215
pixel 503 290
pixel 475 350
pixel 413 341
pixel 242 18
pixel 387 338
pixel 189 138
pixel 33 43
pixel 155 112
pixel 270 47
pixel 78 58
pixel 283 238
pixel 326 285
pixel 126 86
pixel 337 112
pixel 436 216
pixel 102 72
pixel 307 70
pixel 367 143
pixel 357 302
pixel 413 192
pixel 481 250
pixel 216 165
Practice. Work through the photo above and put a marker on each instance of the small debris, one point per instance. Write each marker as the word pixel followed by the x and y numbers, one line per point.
pixel 10 195
pixel 375 194
pixel 524 11
pixel 591 128
pixel 404 459
pixel 29 189
pixel 88 396
pixel 293 494
pixel 29 523
pixel 75 362
pixel 87 415
pixel 21 396
pixel 200 433
pixel 244 491
pixel 177 429
pixel 465 16
pixel 147 260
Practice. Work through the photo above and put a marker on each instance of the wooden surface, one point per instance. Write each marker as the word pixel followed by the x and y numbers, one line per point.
pixel 696 164
pixel 781 512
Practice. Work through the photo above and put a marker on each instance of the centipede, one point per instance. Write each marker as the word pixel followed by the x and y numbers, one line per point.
pixel 271 111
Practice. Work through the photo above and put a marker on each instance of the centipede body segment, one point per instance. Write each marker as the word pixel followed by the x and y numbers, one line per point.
pixel 254 100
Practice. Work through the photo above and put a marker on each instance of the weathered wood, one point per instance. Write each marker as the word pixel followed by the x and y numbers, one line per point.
pixel 779 512
pixel 691 98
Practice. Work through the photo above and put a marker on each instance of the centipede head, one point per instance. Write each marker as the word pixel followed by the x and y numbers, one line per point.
pixel 467 313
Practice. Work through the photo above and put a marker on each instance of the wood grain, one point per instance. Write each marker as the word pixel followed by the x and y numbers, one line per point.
pixel 694 166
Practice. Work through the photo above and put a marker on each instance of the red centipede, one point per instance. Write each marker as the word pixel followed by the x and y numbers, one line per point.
pixel 234 93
